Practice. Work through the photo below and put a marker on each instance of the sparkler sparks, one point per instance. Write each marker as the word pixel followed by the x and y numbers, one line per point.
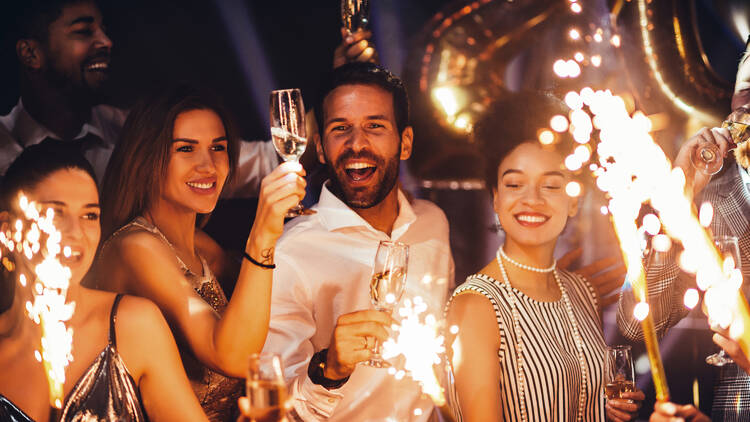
pixel 421 345
pixel 49 309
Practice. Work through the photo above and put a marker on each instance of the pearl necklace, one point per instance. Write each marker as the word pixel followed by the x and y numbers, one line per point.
pixel 549 269
pixel 519 336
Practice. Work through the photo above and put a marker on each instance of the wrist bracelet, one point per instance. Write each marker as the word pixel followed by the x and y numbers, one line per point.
pixel 259 264
pixel 315 372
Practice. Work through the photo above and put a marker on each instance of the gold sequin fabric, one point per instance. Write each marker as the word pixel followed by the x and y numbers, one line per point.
pixel 216 393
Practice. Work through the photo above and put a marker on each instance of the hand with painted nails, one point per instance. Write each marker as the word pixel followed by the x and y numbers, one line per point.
pixel 626 407
pixel 355 47
pixel 670 412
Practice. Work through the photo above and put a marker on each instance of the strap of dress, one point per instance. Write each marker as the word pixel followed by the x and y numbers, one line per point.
pixel 112 320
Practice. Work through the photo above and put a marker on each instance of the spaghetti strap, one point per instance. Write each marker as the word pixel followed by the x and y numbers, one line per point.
pixel 112 319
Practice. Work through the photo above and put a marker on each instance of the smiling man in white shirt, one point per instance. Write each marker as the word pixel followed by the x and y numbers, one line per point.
pixel 322 322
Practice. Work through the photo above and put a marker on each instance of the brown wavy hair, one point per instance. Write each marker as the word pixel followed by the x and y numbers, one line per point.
pixel 136 172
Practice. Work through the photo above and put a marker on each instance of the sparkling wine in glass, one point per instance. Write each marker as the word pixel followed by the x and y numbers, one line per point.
pixel 728 246
pixel 288 130
pixel 619 376
pixel 707 156
pixel 387 285
pixel 355 15
pixel 266 388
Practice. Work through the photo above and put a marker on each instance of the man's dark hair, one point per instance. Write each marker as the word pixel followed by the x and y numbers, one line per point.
pixel 36 163
pixel 512 120
pixel 33 17
pixel 357 73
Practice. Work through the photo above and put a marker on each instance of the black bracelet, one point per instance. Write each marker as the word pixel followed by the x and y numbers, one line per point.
pixel 315 372
pixel 266 266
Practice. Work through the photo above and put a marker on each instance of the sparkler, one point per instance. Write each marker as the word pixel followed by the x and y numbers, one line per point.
pixel 420 342
pixel 50 287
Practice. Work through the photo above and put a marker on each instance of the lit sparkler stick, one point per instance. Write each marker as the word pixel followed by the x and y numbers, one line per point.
pixel 423 348
pixel 631 164
pixel 50 287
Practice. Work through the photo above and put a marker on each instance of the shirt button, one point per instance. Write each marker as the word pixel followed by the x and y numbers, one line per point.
pixel 331 401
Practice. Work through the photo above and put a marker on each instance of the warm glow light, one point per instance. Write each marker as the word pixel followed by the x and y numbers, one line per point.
pixel 706 214
pixel 573 189
pixel 651 224
pixel 560 68
pixel 615 40
pixel 661 243
pixel 691 298
pixel 596 60
pixel 572 163
pixel 422 347
pixel 48 308
pixel 578 56
pixel 582 153
pixel 559 123
pixel 546 137
pixel 640 311
pixel 574 70
pixel 574 34
pixel 598 37
pixel 576 8
pixel 604 210
pixel 573 100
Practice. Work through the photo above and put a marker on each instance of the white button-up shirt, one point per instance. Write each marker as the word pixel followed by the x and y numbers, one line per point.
pixel 19 130
pixel 323 267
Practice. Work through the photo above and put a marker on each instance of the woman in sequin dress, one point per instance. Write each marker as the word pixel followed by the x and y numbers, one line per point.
pixel 530 344
pixel 113 375
pixel 177 151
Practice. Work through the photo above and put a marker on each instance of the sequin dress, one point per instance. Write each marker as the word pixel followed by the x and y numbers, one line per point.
pixel 105 392
pixel 216 393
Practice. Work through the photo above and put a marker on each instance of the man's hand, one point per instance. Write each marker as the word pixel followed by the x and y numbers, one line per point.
pixel 670 412
pixel 625 408
pixel 696 179
pixel 355 47
pixel 606 275
pixel 352 341
pixel 732 347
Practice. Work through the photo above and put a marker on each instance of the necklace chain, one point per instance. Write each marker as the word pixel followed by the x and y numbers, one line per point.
pixel 519 335
pixel 505 256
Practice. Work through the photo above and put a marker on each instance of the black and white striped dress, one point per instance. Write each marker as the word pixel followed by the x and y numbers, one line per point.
pixel 551 367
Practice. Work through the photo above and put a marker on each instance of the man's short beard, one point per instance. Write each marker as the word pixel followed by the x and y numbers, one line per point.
pixel 390 177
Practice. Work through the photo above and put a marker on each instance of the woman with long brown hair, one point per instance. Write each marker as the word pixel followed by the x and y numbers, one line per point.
pixel 177 151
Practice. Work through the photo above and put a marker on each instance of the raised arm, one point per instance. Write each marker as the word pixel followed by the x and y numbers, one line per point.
pixel 160 375
pixel 473 354
pixel 222 342
pixel 666 288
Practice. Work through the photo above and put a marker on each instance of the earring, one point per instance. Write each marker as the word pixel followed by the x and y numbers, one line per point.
pixel 497 227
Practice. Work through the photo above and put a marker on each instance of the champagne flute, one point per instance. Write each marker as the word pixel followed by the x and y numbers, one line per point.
pixel 288 131
pixel 387 285
pixel 266 389
pixel 707 156
pixel 728 246
pixel 355 15
pixel 619 376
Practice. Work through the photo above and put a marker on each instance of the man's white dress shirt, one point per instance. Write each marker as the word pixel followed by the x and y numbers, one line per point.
pixel 323 267
pixel 19 130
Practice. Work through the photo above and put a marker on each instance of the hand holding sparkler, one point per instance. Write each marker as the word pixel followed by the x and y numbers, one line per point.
pixel 670 412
